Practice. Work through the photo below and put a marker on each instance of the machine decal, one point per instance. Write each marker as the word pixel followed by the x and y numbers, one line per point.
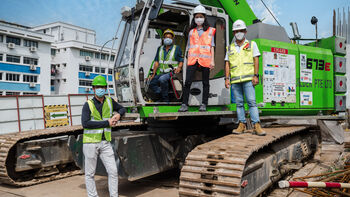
pixel 305 98
pixel 279 50
pixel 305 71
pixel 279 77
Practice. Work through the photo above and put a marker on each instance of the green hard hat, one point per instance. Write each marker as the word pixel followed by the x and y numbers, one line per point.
pixel 99 81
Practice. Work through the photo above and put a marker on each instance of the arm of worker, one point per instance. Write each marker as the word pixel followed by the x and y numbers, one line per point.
pixel 256 54
pixel 120 111
pixel 212 64
pixel 91 124
pixel 155 65
pixel 227 74
pixel 179 58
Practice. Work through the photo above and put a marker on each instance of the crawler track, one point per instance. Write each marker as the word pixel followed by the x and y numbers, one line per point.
pixel 7 154
pixel 216 168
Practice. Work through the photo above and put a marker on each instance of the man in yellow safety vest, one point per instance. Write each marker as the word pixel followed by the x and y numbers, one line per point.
pixel 97 119
pixel 242 68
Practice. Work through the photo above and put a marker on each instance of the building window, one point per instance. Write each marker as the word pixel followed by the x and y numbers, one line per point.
pixel 97 69
pixel 97 55
pixel 30 93
pixel 110 86
pixel 30 78
pixel 85 68
pixel 28 60
pixel 0 93
pixel 52 82
pixel 0 76
pixel 12 77
pixel 12 58
pixel 110 71
pixel 103 70
pixel 1 56
pixel 103 56
pixel 53 52
pixel 85 83
pixel 86 53
pixel 112 58
pixel 14 40
pixel 12 93
pixel 30 43
pixel 1 38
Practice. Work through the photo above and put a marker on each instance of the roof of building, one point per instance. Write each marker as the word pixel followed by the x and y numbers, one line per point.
pixel 60 23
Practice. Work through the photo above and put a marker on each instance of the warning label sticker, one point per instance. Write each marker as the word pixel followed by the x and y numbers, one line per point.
pixel 56 115
pixel 279 78
pixel 305 73
pixel 305 98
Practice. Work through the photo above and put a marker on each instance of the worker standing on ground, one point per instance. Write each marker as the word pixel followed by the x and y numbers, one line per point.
pixel 200 56
pixel 97 119
pixel 167 54
pixel 242 68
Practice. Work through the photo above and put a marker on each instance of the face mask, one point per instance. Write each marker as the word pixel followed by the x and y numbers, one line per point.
pixel 239 35
pixel 168 41
pixel 100 92
pixel 199 21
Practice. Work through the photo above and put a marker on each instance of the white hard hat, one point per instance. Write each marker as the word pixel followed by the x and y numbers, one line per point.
pixel 238 25
pixel 199 10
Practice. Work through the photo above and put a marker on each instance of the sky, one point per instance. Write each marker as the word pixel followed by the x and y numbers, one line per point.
pixel 103 16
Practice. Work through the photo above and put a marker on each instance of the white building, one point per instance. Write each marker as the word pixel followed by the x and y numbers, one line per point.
pixel 76 59
pixel 24 60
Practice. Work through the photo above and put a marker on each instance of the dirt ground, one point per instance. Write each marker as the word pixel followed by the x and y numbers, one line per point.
pixel 161 185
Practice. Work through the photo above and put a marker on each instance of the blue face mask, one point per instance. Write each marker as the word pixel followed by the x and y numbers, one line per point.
pixel 100 92
pixel 168 41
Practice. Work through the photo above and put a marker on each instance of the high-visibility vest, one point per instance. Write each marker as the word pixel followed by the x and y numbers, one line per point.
pixel 165 61
pixel 200 47
pixel 95 135
pixel 242 63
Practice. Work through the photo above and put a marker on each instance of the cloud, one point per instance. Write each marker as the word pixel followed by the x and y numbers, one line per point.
pixel 262 13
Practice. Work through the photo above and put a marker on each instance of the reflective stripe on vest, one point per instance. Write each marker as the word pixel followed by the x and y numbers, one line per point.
pixel 165 61
pixel 200 47
pixel 95 135
pixel 242 63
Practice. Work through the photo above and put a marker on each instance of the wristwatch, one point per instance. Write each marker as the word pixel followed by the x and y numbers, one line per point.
pixel 256 75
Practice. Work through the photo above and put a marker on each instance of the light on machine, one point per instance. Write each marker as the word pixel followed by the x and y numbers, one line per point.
pixel 126 11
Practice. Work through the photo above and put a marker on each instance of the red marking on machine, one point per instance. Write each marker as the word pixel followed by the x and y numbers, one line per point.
pixel 244 183
pixel 340 64
pixel 279 50
pixel 24 156
pixel 327 67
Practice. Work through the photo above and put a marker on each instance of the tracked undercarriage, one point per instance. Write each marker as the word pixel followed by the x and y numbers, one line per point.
pixel 245 165
pixel 39 156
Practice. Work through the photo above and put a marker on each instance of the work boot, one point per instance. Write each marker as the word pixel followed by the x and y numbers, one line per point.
pixel 258 130
pixel 183 108
pixel 203 107
pixel 240 129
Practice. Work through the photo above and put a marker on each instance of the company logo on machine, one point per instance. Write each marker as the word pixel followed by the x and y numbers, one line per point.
pixel 56 115
pixel 279 50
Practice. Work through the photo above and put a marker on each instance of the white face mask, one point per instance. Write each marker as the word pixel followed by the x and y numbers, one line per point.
pixel 199 21
pixel 240 35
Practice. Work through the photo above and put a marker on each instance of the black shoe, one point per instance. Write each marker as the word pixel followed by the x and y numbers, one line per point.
pixel 203 107
pixel 183 108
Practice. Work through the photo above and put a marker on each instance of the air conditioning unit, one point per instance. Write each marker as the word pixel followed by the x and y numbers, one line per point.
pixel 32 67
pixel 87 74
pixel 87 89
pixel 11 45
pixel 32 84
pixel 87 58
pixel 33 49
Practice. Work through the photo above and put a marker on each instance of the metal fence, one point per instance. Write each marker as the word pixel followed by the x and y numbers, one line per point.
pixel 26 112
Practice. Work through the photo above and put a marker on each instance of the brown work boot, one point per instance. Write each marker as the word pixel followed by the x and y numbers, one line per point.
pixel 240 129
pixel 258 130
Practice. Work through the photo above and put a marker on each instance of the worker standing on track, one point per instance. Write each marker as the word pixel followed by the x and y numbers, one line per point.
pixel 200 56
pixel 167 54
pixel 97 120
pixel 242 68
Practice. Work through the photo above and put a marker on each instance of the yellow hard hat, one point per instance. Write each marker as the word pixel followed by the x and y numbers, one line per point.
pixel 169 31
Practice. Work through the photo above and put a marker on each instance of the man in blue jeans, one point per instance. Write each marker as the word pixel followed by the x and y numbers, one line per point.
pixel 242 68
pixel 167 54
